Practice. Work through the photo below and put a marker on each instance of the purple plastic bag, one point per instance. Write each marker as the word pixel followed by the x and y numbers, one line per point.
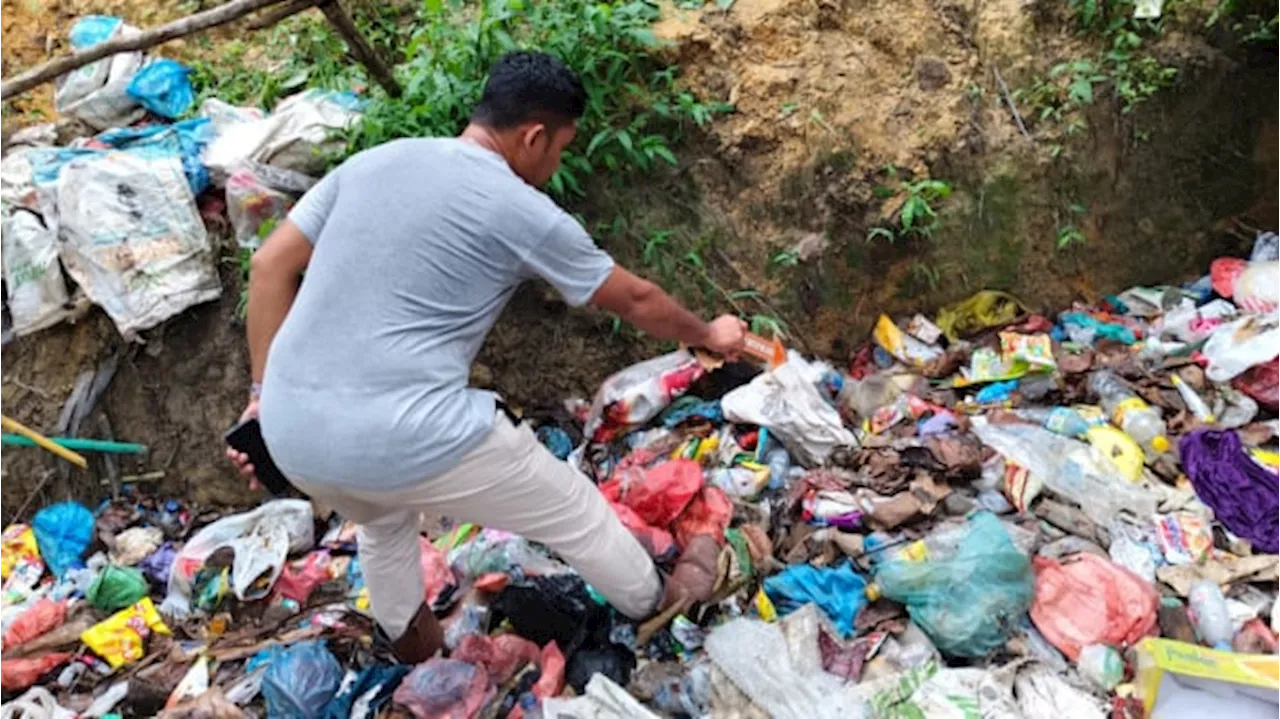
pixel 1243 495
pixel 157 564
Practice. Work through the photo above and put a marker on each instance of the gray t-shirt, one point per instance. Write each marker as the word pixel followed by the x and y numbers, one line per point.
pixel 418 246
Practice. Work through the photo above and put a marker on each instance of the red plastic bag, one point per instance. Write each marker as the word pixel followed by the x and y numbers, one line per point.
pixel 709 513
pixel 657 542
pixel 444 689
pixel 300 578
pixel 42 616
pixel 665 491
pixel 1262 383
pixel 551 681
pixel 502 656
pixel 436 574
pixel 18 674
pixel 1089 600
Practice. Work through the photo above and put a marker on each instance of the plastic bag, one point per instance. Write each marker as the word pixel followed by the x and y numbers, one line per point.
pixel 708 515
pixel 1262 383
pixel 982 310
pixel 157 564
pixel 638 393
pixel 838 592
pixel 295 136
pixel 555 608
pixel 968 601
pixel 116 588
pixel 1238 345
pixel 63 531
pixel 902 346
pixel 164 87
pixel 603 699
pixel 444 689
pixel 299 579
pixel 371 690
pixel 42 616
pixel 35 703
pixel 1253 286
pixel 186 139
pixel 132 237
pixel 1101 665
pixel 258 196
pixel 300 681
pixel 135 544
pixel 261 540
pixel 37 294
pixel 1068 467
pixel 20 673
pixel 787 401
pixel 1089 600
pixel 502 656
pixel 20 563
pixel 663 492
pixel 120 638
pixel 1242 494
pixel 97 93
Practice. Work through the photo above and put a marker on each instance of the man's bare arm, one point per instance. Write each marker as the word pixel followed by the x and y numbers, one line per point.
pixel 275 274
pixel 645 305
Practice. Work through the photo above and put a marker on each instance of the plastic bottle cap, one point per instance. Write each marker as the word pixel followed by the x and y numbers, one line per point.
pixel 872 591
pixel 1160 444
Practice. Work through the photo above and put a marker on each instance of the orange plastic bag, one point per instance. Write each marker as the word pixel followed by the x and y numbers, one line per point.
pixel 1089 600
pixel 43 615
pixel 657 542
pixel 18 674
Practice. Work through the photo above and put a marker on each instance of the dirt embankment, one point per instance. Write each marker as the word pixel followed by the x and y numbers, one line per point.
pixel 829 94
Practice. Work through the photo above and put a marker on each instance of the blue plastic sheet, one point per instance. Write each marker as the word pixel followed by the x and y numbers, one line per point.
pixel 838 591
pixel 91 30
pixel 186 139
pixel 376 682
pixel 163 87
pixel 63 531
pixel 556 440
pixel 301 681
pixel 970 600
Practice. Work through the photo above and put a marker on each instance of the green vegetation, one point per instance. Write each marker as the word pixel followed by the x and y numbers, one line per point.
pixel 918 216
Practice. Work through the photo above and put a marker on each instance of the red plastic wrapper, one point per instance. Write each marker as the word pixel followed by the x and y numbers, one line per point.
pixel 551 681
pixel 657 542
pixel 1262 383
pixel 709 513
pixel 666 490
pixel 300 578
pixel 42 616
pixel 1089 600
pixel 502 656
pixel 18 674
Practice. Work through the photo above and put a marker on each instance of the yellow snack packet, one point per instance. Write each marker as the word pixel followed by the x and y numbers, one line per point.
pixel 120 638
pixel 17 544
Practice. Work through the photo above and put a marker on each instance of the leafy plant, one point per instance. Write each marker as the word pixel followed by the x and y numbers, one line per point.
pixel 767 325
pixel 884 233
pixel 918 216
pixel 1069 236
pixel 786 258
pixel 635 107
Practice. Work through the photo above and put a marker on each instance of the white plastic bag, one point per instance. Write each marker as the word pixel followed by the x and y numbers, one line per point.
pixel 258 196
pixel 35 703
pixel 132 237
pixel 1068 467
pixel 786 400
pixel 1236 346
pixel 261 540
pixel 96 93
pixel 638 393
pixel 294 136
pixel 37 294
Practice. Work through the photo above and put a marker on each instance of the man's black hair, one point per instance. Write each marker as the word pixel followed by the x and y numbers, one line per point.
pixel 529 86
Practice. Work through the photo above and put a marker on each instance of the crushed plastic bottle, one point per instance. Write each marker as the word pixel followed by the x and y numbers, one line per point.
pixel 1059 420
pixel 1210 615
pixel 1129 412
pixel 1192 400
pixel 779 463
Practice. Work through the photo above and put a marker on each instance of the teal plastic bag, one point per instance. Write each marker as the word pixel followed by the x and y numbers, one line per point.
pixel 969 601
pixel 63 531
pixel 163 87
pixel 838 592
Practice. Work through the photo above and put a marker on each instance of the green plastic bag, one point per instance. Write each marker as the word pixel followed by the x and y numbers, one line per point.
pixel 117 588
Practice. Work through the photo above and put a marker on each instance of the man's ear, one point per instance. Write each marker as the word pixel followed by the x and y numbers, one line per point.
pixel 533 133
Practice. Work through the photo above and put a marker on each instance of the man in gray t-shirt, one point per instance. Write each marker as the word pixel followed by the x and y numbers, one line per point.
pixel 411 250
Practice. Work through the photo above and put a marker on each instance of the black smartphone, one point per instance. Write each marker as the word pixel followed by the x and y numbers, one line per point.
pixel 247 437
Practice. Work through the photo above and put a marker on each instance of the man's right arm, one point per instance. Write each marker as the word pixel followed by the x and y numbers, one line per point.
pixel 644 304
pixel 275 273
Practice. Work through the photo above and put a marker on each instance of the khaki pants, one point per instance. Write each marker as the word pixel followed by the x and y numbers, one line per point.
pixel 511 482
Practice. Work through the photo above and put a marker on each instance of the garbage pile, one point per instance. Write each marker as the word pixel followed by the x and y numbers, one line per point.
pixel 123 212
pixel 985 514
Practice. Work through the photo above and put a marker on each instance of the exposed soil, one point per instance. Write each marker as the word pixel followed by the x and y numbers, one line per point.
pixel 828 93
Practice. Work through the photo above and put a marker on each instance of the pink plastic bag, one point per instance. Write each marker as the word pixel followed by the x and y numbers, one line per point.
pixel 42 616
pixel 709 513
pixel 300 578
pixel 436 574
pixel 666 490
pixel 502 656
pixel 444 689
pixel 1089 600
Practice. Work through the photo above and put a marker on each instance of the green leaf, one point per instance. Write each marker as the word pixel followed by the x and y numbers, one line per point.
pixel 664 153
pixel 624 139
pixel 1081 91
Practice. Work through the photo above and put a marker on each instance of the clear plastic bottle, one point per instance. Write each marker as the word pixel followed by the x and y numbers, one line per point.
pixel 1209 610
pixel 1130 413
pixel 779 465
pixel 1059 420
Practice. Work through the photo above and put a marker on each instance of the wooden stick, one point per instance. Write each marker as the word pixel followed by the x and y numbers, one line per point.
pixel 213 17
pixel 360 48
pixel 44 442
pixel 1008 100
pixel 275 15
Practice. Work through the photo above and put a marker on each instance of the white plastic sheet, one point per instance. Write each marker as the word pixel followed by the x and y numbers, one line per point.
pixel 294 136
pixel 37 294
pixel 261 540
pixel 786 400
pixel 96 93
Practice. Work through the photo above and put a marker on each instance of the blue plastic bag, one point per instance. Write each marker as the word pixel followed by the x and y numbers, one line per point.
pixel 838 591
pixel 378 682
pixel 91 30
pixel 63 531
pixel 163 87
pixel 969 601
pixel 300 681
pixel 186 139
